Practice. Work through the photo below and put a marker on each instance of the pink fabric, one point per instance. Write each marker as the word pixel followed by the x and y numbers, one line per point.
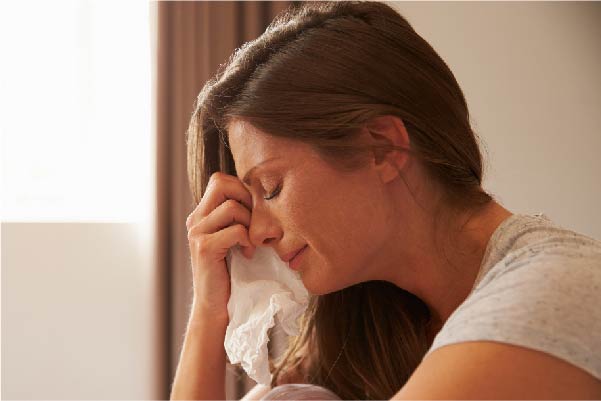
pixel 300 392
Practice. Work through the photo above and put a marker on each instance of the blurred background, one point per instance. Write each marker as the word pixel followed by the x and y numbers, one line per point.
pixel 95 97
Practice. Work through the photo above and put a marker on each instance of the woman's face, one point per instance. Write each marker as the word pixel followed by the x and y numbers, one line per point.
pixel 341 217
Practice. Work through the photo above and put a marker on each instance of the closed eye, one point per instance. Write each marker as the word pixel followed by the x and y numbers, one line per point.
pixel 274 193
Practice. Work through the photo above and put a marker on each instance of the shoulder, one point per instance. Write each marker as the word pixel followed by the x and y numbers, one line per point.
pixel 524 239
pixel 537 308
pixel 551 277
pixel 492 370
pixel 550 304
pixel 531 328
pixel 559 265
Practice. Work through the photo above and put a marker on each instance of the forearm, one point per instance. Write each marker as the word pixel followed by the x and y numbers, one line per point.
pixel 200 373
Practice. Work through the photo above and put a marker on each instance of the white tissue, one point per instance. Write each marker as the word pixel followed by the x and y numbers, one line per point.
pixel 263 290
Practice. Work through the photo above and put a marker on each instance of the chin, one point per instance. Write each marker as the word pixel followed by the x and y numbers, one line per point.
pixel 316 285
pixel 310 285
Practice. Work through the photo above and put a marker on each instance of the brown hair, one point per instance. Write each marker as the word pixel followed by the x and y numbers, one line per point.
pixel 317 74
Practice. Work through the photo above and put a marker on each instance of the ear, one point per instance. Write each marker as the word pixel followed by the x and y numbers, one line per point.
pixel 389 130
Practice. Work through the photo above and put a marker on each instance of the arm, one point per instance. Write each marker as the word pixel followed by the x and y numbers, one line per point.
pixel 200 373
pixel 489 370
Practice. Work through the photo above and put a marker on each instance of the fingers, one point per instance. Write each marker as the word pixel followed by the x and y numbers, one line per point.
pixel 216 245
pixel 225 204
pixel 226 214
pixel 220 188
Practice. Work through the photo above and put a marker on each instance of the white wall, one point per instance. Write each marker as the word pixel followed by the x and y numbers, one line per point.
pixel 530 72
pixel 78 312
pixel 80 315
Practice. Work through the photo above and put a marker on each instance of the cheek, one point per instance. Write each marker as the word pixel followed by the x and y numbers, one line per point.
pixel 321 276
pixel 339 253
pixel 318 220
pixel 340 224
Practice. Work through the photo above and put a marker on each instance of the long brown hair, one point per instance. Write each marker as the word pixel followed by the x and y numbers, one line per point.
pixel 317 74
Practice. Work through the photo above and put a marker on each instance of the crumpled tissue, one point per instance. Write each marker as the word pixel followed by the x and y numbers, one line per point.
pixel 263 290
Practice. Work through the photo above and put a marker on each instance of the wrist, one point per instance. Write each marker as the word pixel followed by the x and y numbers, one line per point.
pixel 201 313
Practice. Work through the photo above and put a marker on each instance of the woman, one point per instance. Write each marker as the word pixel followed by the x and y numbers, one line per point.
pixel 340 132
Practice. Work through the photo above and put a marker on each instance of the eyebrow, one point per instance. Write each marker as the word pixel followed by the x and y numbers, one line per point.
pixel 250 172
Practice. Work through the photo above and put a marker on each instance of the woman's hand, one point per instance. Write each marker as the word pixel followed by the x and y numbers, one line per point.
pixel 220 221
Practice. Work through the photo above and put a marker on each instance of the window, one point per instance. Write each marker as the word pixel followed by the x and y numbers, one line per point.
pixel 75 106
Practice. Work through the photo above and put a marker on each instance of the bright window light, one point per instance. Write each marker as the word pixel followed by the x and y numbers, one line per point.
pixel 75 111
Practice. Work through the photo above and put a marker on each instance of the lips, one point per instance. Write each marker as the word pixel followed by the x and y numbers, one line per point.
pixel 287 257
pixel 295 262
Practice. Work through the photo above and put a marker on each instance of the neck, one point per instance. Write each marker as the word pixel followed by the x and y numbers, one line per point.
pixel 443 278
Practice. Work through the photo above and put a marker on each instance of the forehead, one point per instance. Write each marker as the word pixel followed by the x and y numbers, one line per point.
pixel 243 138
pixel 250 146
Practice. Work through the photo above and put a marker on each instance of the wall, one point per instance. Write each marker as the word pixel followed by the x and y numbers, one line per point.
pixel 530 74
pixel 79 314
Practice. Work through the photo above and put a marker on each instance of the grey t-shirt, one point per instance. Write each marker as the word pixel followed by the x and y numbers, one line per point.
pixel 539 286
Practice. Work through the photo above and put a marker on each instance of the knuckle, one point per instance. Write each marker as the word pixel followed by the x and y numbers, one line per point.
pixel 241 229
pixel 231 205
pixel 217 176
pixel 212 183
pixel 202 246
pixel 193 233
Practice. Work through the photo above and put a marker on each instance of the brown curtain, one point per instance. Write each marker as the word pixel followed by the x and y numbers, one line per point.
pixel 194 38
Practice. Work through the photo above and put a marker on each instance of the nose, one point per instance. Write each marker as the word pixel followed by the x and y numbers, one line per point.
pixel 263 230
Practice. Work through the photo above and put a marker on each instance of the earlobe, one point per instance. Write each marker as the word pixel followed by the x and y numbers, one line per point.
pixel 389 130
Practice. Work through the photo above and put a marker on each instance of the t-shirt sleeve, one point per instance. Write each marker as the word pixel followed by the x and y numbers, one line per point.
pixel 548 301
